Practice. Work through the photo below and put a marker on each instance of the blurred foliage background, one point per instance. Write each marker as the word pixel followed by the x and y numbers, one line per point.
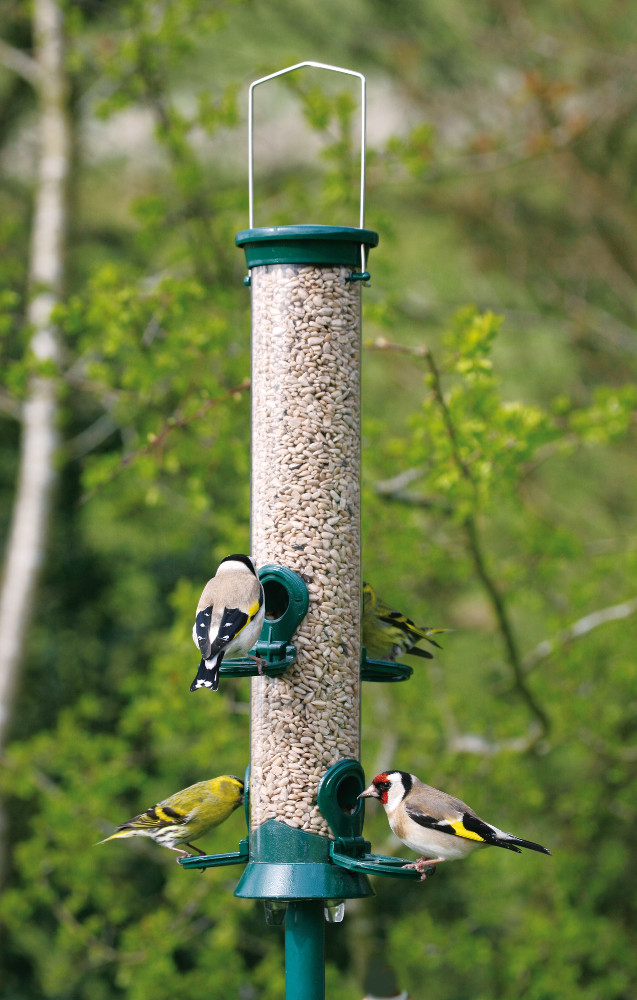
pixel 499 473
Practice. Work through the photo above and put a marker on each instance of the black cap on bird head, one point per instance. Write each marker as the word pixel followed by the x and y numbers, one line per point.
pixel 239 781
pixel 238 557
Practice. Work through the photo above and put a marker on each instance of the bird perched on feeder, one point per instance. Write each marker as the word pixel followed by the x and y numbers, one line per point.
pixel 437 825
pixel 229 617
pixel 186 815
pixel 388 633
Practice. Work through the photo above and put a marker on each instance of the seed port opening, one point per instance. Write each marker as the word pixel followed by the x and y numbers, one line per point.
pixel 347 794
pixel 286 602
pixel 277 600
pixel 338 800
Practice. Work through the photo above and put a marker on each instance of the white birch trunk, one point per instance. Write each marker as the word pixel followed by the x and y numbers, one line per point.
pixel 37 472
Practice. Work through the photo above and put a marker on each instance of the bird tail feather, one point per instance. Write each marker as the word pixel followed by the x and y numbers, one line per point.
pixel 118 835
pixel 516 842
pixel 427 634
pixel 208 673
pixel 417 651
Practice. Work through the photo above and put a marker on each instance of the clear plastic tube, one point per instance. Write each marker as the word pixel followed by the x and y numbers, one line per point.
pixel 306 515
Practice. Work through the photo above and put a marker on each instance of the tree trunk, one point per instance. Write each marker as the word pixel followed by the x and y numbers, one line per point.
pixel 37 471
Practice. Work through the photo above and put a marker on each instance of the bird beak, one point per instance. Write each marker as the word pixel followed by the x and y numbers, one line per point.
pixel 369 793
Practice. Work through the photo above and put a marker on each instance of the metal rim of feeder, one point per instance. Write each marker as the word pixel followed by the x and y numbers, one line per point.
pixel 283 72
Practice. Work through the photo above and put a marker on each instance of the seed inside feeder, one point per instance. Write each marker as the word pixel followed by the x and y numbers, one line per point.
pixel 305 488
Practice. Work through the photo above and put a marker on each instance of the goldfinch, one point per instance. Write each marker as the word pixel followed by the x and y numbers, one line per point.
pixel 187 814
pixel 435 824
pixel 388 633
pixel 229 617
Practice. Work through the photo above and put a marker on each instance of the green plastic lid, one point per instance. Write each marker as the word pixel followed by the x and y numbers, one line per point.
pixel 305 245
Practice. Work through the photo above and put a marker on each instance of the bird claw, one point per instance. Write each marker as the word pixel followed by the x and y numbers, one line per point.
pixel 417 865
pixel 422 865
pixel 259 661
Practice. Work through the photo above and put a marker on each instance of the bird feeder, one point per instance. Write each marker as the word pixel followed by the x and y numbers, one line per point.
pixel 305 852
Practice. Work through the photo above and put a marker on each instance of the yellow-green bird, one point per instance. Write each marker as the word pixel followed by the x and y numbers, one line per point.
pixel 388 633
pixel 186 815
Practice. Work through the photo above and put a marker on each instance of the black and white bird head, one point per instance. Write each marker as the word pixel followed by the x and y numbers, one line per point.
pixel 391 787
pixel 237 563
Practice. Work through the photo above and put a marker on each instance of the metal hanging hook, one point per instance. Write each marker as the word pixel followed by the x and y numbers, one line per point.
pixel 283 72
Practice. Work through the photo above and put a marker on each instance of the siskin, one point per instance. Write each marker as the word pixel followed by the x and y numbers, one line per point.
pixel 229 617
pixel 437 825
pixel 186 815
pixel 388 633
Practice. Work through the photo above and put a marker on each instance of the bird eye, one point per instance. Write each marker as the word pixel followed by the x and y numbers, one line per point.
pixel 383 786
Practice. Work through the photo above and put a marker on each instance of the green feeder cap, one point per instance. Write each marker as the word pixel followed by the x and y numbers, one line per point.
pixel 329 245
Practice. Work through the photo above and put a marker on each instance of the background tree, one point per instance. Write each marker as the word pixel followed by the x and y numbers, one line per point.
pixel 38 412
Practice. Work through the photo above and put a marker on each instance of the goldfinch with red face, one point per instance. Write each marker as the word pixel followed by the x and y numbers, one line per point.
pixel 436 825
pixel 229 617
pixel 388 633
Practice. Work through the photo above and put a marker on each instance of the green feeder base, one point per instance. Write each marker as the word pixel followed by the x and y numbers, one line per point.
pixel 311 875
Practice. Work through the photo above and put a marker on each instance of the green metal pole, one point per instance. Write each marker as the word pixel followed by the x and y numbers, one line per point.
pixel 305 950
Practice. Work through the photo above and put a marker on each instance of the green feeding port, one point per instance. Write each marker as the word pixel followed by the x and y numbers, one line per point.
pixel 277 600
pixel 308 871
pixel 286 603
pixel 338 799
pixel 383 670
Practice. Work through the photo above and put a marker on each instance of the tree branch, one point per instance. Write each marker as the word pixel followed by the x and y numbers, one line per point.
pixel 381 344
pixel 501 613
pixel 474 743
pixel 480 746
pixel 474 542
pixel 10 405
pixel 575 631
pixel 395 489
pixel 171 425
pixel 397 484
pixel 22 64
pixel 479 560
pixel 91 437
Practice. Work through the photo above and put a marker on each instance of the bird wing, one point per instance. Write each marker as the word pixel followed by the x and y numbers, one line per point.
pixel 202 630
pixel 405 625
pixel 233 621
pixel 155 818
pixel 464 823
pixel 453 822
pixel 498 838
